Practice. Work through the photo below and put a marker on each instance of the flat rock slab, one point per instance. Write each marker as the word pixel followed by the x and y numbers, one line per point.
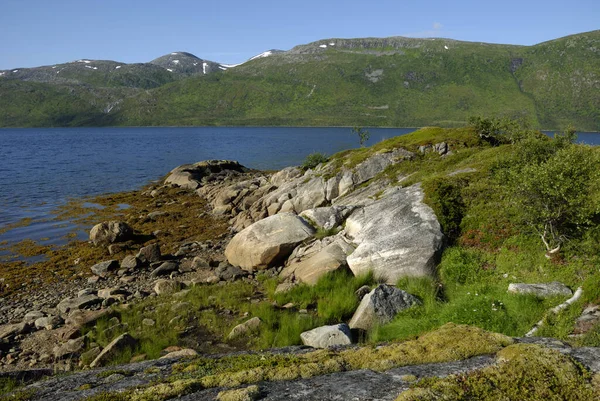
pixel 327 336
pixel 267 242
pixel 115 346
pixel 397 236
pixel 192 176
pixel 541 290
pixel 380 306
pixel 70 304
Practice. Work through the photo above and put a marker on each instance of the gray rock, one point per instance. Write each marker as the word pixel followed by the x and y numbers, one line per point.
pixel 249 326
pixel 112 292
pixel 544 290
pixel 104 269
pixel 164 269
pixel 109 232
pixel 186 352
pixel 285 175
pixel 330 258
pixel 327 336
pixel 148 322
pixel 200 263
pixel 48 322
pixel 380 306
pixel 164 286
pixel 231 273
pixel 8 331
pixel 86 291
pixel 150 253
pixel 33 316
pixel 70 304
pixel 131 262
pixel 69 349
pixel 267 242
pixel 397 236
pixel 117 345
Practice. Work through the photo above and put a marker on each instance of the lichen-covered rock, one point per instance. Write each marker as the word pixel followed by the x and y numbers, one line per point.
pixel 328 217
pixel 104 269
pixel 163 286
pixel 149 254
pixel 70 304
pixel 48 322
pixel 397 236
pixel 327 336
pixel 267 242
pixel 130 262
pixel 109 232
pixel 186 352
pixel 380 306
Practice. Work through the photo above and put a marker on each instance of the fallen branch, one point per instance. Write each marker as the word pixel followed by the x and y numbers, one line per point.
pixel 555 310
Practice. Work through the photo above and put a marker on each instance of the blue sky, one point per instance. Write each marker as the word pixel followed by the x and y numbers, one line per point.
pixel 43 32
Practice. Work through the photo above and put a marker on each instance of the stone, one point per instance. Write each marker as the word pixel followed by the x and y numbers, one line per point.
pixel 164 286
pixel 109 232
pixel 115 292
pixel 86 291
pixel 380 306
pixel 164 269
pixel 70 304
pixel 90 355
pixel 69 349
pixel 33 316
pixel 81 318
pixel 285 287
pixel 327 336
pixel 104 269
pixel 117 345
pixel 243 329
pixel 8 331
pixel 114 249
pixel 186 352
pixel 131 262
pixel 48 322
pixel 285 175
pixel 204 277
pixel 331 258
pixel 200 263
pixel 149 254
pixel 543 290
pixel 148 322
pixel 267 242
pixel 397 236
pixel 231 273
pixel 362 291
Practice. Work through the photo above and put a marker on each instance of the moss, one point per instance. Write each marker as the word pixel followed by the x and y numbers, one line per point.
pixel 85 386
pixel 523 372
pixel 249 393
pixel 165 391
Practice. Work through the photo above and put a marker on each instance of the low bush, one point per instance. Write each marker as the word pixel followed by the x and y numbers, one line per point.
pixel 313 160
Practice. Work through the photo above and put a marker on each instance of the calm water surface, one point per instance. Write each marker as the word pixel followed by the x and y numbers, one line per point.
pixel 41 168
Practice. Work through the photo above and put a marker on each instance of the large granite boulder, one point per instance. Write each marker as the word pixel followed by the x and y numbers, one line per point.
pixel 327 336
pixel 380 306
pixel 397 236
pixel 109 232
pixel 193 176
pixel 267 242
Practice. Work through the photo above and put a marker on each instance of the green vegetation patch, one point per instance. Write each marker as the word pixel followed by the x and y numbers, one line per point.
pixel 523 372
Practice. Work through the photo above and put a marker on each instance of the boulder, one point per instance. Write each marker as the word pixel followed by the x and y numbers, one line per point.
pixel 186 352
pixel 69 349
pixel 7 331
pixel 112 292
pixel 70 304
pixel 48 322
pixel 243 329
pixel 285 175
pixel 380 306
pixel 32 316
pixel 130 262
pixel 192 176
pixel 327 336
pixel 164 269
pixel 397 236
pixel 104 269
pixel 109 232
pixel 117 345
pixel 331 258
pixel 267 242
pixel 543 290
pixel 163 286
pixel 149 254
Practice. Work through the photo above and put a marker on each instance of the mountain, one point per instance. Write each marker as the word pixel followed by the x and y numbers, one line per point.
pixel 393 81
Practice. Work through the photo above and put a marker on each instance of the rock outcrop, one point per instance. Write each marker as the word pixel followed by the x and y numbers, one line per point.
pixel 542 290
pixel 193 176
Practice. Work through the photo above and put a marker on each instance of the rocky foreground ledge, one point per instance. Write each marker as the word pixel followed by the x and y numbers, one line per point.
pixel 298 225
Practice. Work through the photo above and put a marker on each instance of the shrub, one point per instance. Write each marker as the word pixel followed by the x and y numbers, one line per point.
pixel 313 160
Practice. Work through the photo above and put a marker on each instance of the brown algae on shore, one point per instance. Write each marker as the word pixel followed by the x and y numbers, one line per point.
pixel 182 216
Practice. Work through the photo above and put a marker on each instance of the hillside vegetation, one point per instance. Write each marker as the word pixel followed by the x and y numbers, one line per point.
pixel 369 82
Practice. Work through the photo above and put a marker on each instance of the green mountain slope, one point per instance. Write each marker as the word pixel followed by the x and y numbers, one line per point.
pixel 372 82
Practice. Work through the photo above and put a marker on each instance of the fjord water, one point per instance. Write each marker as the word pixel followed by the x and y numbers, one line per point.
pixel 41 168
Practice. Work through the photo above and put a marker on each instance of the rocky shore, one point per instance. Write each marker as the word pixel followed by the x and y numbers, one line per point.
pixel 352 214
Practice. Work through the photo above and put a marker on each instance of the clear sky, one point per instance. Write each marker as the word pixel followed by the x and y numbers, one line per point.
pixel 43 32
